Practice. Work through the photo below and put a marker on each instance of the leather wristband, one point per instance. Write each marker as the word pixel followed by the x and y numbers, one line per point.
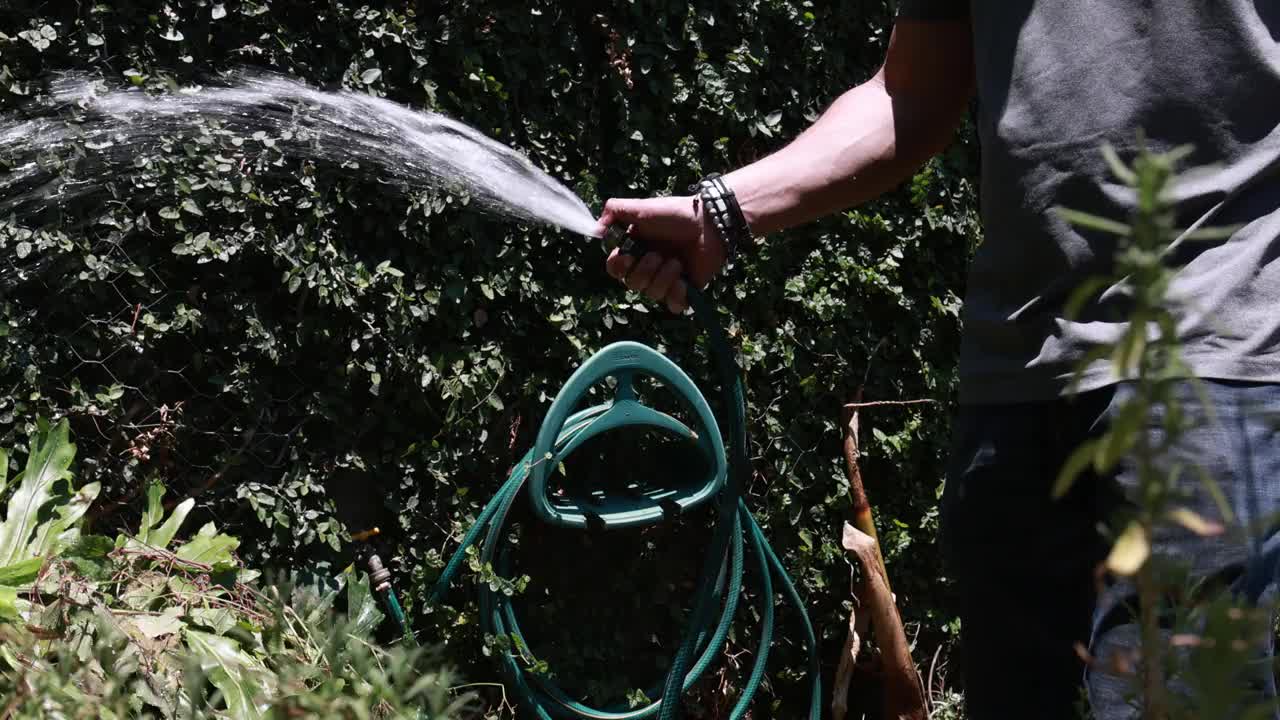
pixel 721 206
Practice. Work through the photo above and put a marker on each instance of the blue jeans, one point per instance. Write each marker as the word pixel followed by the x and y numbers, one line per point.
pixel 1025 565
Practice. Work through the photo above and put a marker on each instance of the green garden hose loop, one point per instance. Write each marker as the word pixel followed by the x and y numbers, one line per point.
pixel 721 580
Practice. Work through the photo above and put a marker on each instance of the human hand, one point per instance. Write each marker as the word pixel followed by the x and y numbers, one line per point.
pixel 682 242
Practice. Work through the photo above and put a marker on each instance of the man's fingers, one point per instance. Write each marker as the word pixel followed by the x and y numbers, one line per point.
pixel 641 275
pixel 657 277
pixel 666 276
pixel 619 264
pixel 678 297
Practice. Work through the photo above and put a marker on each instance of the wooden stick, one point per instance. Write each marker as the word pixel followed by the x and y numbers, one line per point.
pixel 862 517
pixel 904 697
pixel 903 693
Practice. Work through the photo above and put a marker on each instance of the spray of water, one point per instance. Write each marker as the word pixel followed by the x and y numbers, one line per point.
pixel 418 149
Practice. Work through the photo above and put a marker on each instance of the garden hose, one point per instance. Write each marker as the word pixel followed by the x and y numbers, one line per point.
pixel 721 580
pixel 380 582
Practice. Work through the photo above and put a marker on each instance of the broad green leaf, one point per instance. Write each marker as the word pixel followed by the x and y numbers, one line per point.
pixel 60 531
pixel 9 604
pixel 21 573
pixel 1130 551
pixel 89 556
pixel 4 470
pixel 363 614
pixel 49 462
pixel 149 534
pixel 219 620
pixel 151 516
pixel 163 535
pixel 208 547
pixel 242 681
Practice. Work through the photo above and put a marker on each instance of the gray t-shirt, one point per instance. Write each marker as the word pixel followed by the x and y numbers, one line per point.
pixel 1056 79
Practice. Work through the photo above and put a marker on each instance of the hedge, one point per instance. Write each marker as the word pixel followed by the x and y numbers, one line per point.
pixel 309 353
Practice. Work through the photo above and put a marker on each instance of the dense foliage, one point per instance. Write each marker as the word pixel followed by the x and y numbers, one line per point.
pixel 147 625
pixel 308 353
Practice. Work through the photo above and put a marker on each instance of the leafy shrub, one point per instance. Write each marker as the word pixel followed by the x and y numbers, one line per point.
pixel 304 351
pixel 135 628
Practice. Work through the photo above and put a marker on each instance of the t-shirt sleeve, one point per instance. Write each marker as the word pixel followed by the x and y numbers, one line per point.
pixel 933 9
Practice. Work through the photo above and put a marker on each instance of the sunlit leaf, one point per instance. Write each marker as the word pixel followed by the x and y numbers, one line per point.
pixel 362 609
pixel 61 530
pixel 208 547
pixel 1131 550
pixel 21 573
pixel 154 626
pixel 49 461
pixel 9 604
pixel 241 680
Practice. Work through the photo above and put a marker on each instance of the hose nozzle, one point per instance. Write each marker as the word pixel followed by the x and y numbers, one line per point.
pixel 616 237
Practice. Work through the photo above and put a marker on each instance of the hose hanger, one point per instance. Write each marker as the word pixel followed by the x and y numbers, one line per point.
pixel 720 584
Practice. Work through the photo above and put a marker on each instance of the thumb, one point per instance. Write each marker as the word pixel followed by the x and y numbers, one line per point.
pixel 622 211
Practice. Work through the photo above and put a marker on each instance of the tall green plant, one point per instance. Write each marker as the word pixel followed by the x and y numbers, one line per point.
pixel 1217 641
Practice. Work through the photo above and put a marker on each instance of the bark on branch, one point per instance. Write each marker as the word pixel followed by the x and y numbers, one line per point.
pixel 904 697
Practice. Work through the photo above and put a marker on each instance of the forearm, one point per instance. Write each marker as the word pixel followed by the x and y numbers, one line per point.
pixel 850 155
pixel 871 138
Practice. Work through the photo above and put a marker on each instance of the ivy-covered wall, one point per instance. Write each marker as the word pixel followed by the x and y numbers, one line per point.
pixel 297 347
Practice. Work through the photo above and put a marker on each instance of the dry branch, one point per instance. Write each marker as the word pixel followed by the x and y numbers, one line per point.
pixel 883 403
pixel 904 697
pixel 903 694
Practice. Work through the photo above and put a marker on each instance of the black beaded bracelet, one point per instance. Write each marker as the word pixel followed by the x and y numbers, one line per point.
pixel 721 205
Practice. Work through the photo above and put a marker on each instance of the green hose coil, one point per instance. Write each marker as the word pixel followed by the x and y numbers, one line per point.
pixel 721 580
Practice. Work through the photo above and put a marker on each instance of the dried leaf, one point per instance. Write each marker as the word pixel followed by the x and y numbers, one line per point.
pixel 1196 523
pixel 1131 550
pixel 154 626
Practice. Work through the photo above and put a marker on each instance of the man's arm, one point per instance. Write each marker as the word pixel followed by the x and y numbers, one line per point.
pixel 871 139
